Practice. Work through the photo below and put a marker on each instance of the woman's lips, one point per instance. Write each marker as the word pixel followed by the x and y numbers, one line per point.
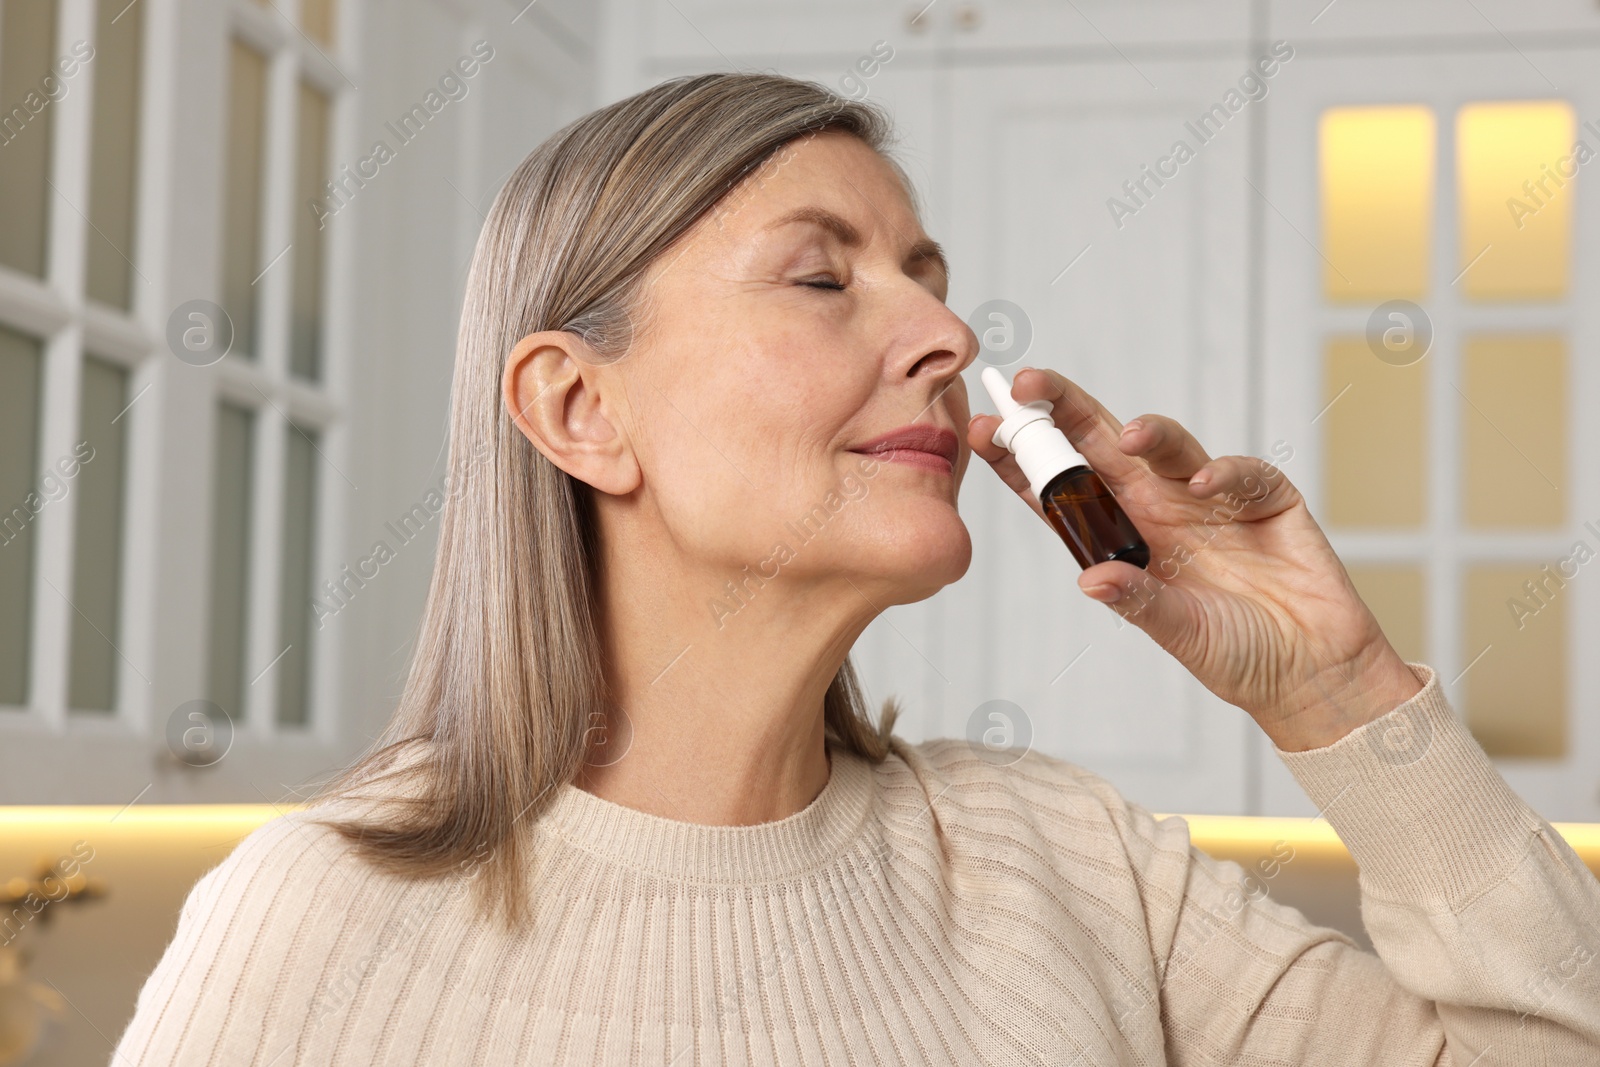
pixel 921 445
pixel 913 458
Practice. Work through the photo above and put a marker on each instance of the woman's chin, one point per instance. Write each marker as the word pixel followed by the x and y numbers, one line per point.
pixel 925 555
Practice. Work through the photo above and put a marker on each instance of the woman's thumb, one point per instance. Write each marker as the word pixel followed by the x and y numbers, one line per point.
pixel 1136 594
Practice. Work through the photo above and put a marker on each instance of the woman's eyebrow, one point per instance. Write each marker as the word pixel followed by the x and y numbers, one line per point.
pixel 926 249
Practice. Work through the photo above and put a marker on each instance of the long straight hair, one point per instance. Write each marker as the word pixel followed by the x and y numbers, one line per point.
pixel 507 677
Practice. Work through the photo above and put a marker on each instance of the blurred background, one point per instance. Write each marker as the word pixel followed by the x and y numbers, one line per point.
pixel 1347 236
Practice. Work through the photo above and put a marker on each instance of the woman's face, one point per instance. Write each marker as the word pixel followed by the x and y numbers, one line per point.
pixel 799 322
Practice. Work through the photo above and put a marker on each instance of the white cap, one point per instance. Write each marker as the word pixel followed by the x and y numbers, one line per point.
pixel 1028 432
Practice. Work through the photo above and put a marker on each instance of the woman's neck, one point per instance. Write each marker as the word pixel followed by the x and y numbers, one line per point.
pixel 722 698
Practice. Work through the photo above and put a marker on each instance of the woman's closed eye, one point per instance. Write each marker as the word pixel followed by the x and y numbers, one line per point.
pixel 825 281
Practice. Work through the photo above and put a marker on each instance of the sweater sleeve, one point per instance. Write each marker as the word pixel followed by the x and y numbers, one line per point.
pixel 1475 904
pixel 1486 923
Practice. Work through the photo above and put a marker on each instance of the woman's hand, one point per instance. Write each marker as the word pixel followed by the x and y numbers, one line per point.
pixel 1242 587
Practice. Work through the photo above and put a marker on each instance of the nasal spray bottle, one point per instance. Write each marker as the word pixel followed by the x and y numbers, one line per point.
pixel 1075 500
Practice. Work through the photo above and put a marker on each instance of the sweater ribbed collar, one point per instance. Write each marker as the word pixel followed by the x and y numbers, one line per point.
pixel 671 848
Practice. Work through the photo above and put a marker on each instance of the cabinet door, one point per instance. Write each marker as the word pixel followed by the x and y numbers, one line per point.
pixel 1441 441
pixel 1140 296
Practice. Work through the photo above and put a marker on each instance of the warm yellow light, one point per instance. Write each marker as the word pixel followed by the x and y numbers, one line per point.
pixel 1375 437
pixel 1236 833
pixel 1516 163
pixel 1228 833
pixel 140 818
pixel 1513 397
pixel 1584 837
pixel 1516 698
pixel 1233 831
pixel 1376 172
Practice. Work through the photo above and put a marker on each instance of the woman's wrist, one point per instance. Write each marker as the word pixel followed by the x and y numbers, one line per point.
pixel 1343 698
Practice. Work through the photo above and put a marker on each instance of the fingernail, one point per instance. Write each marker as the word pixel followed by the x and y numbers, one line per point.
pixel 1201 480
pixel 1130 426
pixel 1106 594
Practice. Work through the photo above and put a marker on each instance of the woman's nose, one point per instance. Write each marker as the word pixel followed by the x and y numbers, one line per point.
pixel 945 348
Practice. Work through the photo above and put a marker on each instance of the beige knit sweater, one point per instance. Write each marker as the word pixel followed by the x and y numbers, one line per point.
pixel 932 909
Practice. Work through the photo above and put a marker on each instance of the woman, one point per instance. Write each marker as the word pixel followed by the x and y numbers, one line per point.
pixel 612 824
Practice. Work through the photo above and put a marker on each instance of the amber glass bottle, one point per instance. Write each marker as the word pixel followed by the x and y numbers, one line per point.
pixel 1079 506
pixel 1089 519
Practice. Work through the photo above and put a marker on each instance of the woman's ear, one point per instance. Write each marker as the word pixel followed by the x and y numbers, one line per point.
pixel 553 396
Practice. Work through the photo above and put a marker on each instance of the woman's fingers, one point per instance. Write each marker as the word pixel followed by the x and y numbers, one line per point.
pixel 1121 454
pixel 1253 487
pixel 1091 428
pixel 1170 450
pixel 1163 445
pixel 980 436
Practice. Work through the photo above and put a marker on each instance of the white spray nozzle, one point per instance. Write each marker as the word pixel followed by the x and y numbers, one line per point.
pixel 1028 432
pixel 999 391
